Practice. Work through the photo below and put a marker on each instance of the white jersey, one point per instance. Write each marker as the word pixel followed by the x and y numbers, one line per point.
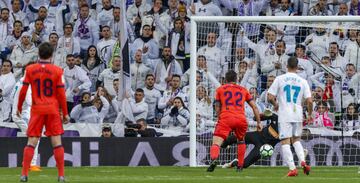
pixel 290 89
pixel 27 104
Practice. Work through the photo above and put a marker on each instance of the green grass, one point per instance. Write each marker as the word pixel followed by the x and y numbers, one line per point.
pixel 184 175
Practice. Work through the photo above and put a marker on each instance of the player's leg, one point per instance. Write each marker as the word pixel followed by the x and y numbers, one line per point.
pixel 221 132
pixel 34 166
pixel 230 140
pixel 299 148
pixel 54 129
pixel 33 132
pixel 58 151
pixel 23 126
pixel 240 132
pixel 285 133
pixel 254 155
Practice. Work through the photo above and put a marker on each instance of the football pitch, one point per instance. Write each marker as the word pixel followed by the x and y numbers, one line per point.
pixel 184 175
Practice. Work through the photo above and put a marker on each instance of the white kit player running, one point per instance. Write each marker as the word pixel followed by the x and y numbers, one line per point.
pixel 286 94
pixel 22 122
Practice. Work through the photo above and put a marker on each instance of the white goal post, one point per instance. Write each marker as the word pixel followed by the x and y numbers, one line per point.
pixel 238 19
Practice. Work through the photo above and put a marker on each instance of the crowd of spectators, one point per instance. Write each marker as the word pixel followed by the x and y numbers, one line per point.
pixel 85 37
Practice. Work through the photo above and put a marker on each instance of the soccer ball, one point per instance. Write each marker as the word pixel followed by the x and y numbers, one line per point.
pixel 266 150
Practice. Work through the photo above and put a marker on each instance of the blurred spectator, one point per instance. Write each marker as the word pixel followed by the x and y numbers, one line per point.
pixel 251 8
pixel 285 32
pixel 76 82
pixel 105 45
pixel 320 9
pixel 7 83
pixel 114 105
pixel 164 68
pixel 354 7
pixel 144 131
pixel 179 42
pixel 39 34
pixel 76 8
pixel 86 29
pixel 204 107
pixel 215 58
pixel 318 42
pixel 273 8
pixel 247 75
pixel 17 14
pixel 92 66
pixel 115 26
pixel 352 52
pixel 105 15
pixel 159 20
pixel 167 100
pixel 347 92
pixel 152 97
pixel 108 75
pixel 204 8
pixel 263 96
pixel 6 26
pixel 337 61
pixel 150 48
pixel 138 105
pixel 323 118
pixel 134 14
pixel 106 131
pixel 13 39
pixel 177 116
pixel 138 71
pixel 351 120
pixel 343 10
pixel 68 44
pixel 24 52
pixel 90 111
pixel 46 24
pixel 276 64
pixel 317 95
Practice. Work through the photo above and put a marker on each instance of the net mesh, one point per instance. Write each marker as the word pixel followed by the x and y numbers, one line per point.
pixel 258 53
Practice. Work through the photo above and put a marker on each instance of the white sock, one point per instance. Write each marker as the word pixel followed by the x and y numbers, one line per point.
pixel 299 151
pixel 36 151
pixel 287 156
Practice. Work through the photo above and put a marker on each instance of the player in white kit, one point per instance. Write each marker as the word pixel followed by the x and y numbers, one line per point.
pixel 287 94
pixel 22 122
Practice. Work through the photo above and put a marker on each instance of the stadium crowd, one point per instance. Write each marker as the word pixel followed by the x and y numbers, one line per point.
pixel 85 36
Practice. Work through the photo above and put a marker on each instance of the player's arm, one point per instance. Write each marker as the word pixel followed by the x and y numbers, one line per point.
pixel 309 106
pixel 217 107
pixel 218 102
pixel 22 94
pixel 61 97
pixel 272 100
pixel 271 94
pixel 309 102
pixel 256 113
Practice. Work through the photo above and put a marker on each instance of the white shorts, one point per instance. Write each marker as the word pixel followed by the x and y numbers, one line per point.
pixel 290 129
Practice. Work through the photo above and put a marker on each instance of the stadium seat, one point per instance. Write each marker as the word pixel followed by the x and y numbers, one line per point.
pixel 8 132
pixel 71 133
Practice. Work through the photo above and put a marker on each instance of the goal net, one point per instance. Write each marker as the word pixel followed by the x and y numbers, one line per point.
pixel 257 49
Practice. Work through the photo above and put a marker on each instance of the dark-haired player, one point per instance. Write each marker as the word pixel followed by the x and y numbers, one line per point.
pixel 48 94
pixel 229 105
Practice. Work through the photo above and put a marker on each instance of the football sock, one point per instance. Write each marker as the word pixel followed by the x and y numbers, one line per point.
pixel 59 158
pixel 287 156
pixel 299 151
pixel 214 151
pixel 34 159
pixel 27 156
pixel 241 148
